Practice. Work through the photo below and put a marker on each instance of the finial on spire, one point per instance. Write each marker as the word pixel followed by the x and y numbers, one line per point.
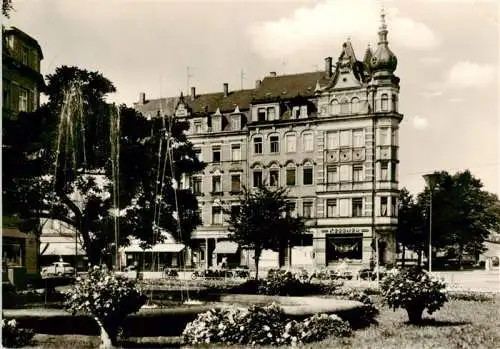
pixel 383 25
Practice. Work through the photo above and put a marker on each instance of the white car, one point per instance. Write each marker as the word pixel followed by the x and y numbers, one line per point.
pixel 58 269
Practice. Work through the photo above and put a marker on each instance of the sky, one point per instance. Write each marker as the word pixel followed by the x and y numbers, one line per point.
pixel 448 59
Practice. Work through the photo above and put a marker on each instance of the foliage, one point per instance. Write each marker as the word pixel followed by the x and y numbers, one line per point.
pixel 264 221
pixel 14 336
pixel 7 8
pixel 78 191
pixel 261 325
pixel 471 296
pixel 106 297
pixel 413 289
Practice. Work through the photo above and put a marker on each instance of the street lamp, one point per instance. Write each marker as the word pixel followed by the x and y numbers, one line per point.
pixel 430 181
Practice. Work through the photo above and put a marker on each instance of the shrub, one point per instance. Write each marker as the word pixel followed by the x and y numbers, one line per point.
pixel 15 337
pixel 108 298
pixel 260 325
pixel 471 296
pixel 413 290
pixel 285 283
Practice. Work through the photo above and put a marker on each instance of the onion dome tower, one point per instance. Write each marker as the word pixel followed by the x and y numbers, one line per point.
pixel 384 61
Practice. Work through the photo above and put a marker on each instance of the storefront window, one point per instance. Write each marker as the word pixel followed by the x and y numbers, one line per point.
pixel 345 246
pixel 12 252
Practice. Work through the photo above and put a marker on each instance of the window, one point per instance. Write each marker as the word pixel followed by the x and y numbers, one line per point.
pixel 331 208
pixel 271 113
pixel 335 107
pixel 198 154
pixel 345 138
pixel 345 173
pixel 394 206
pixel 393 172
pixel 291 143
pixel 216 184
pixel 394 138
pixel 216 215
pixel 257 178
pixel 296 112
pixel 357 207
pixel 303 111
pixel 395 103
pixel 355 105
pixel 197 127
pixel 235 209
pixel 344 207
pixel 307 209
pixel 216 123
pixel 308 142
pixel 358 138
pixel 332 175
pixel 23 99
pixel 261 114
pixel 385 102
pixel 216 154
pixel 290 176
pixel 196 185
pixel 384 136
pixel 235 183
pixel 236 122
pixel 275 144
pixel 308 175
pixel 235 152
pixel 383 206
pixel 25 55
pixel 332 140
pixel 257 145
pixel 291 209
pixel 274 177
pixel 383 171
pixel 344 107
pixel 357 173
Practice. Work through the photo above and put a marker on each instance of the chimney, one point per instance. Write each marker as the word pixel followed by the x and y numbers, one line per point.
pixel 328 67
pixel 142 98
pixel 257 83
pixel 193 92
pixel 226 89
pixel 272 74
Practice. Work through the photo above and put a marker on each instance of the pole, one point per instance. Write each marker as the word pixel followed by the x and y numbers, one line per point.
pixel 377 262
pixel 430 235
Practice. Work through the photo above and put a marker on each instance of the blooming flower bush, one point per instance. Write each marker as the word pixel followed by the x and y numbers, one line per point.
pixel 261 325
pixel 14 336
pixel 413 290
pixel 108 298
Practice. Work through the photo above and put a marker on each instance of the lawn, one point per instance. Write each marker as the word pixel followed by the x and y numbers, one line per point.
pixel 459 324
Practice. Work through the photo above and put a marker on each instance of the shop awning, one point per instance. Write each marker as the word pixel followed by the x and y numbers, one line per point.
pixel 156 248
pixel 226 247
pixel 60 249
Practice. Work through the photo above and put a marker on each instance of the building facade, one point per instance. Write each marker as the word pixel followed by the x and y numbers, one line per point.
pixel 21 78
pixel 330 136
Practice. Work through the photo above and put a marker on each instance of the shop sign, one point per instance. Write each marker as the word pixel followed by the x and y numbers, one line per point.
pixel 347 230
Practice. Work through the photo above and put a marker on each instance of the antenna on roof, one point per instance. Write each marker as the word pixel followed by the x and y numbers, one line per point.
pixel 188 77
pixel 242 77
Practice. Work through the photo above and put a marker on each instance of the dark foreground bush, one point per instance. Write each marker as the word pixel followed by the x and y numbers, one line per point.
pixel 14 336
pixel 261 325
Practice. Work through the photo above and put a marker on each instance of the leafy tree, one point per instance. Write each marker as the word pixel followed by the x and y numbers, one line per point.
pixel 7 8
pixel 264 221
pixel 79 189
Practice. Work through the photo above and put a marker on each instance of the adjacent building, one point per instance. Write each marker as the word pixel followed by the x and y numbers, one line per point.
pixel 329 136
pixel 21 78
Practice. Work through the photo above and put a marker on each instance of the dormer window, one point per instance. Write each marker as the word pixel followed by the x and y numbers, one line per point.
pixel 197 127
pixel 344 106
pixel 25 55
pixel 236 122
pixel 271 113
pixel 303 111
pixel 335 107
pixel 261 114
pixel 216 123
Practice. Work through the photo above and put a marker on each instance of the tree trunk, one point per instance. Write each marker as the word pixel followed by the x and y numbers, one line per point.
pixel 256 258
pixel 419 258
pixel 108 336
pixel 460 252
pixel 415 313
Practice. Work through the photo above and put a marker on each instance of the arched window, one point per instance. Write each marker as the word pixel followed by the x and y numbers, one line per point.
pixel 307 174
pixel 307 142
pixel 291 143
pixel 291 174
pixel 355 105
pixel 384 105
pixel 344 106
pixel 274 175
pixel 335 107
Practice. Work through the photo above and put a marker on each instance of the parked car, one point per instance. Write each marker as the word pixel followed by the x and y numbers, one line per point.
pixel 58 269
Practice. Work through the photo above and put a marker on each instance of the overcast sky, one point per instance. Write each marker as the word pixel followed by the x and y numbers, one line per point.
pixel 448 52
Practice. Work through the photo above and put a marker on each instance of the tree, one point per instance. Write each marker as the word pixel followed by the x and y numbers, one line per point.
pixel 264 221
pixel 411 231
pixel 85 189
pixel 7 8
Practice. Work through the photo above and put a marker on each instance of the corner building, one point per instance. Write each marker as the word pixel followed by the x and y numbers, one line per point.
pixel 330 137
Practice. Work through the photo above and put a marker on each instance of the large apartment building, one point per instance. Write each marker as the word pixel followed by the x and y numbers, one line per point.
pixel 329 136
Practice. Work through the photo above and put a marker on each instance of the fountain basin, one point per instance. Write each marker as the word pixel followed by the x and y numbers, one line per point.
pixel 171 321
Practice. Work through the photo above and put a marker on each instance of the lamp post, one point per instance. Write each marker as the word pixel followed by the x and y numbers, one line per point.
pixel 430 181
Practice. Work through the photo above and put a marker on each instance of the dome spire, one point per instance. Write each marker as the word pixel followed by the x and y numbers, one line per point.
pixel 383 59
pixel 382 33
